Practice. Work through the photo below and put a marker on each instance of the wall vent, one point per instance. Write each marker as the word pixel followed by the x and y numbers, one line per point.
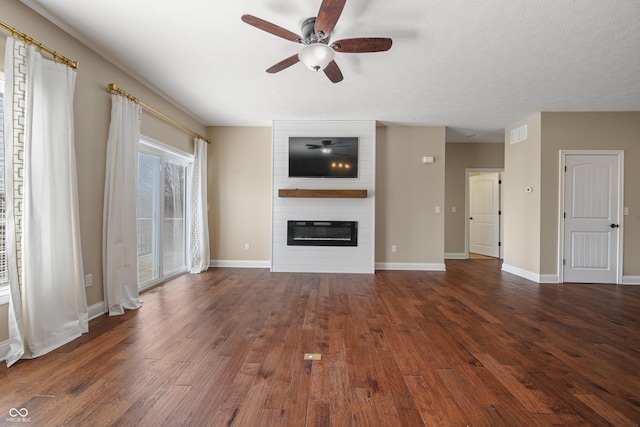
pixel 518 134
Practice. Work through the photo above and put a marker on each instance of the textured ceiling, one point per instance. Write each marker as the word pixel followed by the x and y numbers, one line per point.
pixel 475 66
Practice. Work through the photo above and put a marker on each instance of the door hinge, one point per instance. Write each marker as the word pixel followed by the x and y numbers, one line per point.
pixel 564 262
pixel 565 168
pixel 564 215
pixel 499 244
pixel 499 212
pixel 499 181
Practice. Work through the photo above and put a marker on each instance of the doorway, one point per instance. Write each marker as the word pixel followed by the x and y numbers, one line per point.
pixel 590 216
pixel 483 213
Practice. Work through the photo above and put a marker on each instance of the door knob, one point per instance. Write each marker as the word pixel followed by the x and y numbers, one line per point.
pixel 615 225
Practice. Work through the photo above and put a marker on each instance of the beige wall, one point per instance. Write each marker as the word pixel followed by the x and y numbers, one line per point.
pixel 590 131
pixel 92 106
pixel 531 219
pixel 407 192
pixel 460 157
pixel 521 209
pixel 239 186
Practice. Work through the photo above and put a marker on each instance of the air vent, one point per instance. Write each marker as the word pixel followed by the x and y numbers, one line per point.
pixel 518 134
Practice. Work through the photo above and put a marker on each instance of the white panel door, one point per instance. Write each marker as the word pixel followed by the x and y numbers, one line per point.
pixel 484 214
pixel 592 221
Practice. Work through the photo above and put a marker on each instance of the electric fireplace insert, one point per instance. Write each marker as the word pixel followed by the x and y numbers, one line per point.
pixel 322 233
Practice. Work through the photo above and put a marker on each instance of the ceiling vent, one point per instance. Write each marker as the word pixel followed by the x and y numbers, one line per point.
pixel 518 134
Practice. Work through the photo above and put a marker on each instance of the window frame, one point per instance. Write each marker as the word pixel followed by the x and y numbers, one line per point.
pixel 167 152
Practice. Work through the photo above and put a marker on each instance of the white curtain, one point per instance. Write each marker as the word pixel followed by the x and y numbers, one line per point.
pixel 119 232
pixel 47 304
pixel 199 236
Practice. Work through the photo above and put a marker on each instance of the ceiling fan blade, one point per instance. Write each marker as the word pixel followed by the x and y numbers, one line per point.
pixel 330 11
pixel 271 28
pixel 285 63
pixel 362 45
pixel 333 72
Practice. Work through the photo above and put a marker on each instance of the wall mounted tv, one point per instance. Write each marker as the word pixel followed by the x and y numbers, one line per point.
pixel 323 157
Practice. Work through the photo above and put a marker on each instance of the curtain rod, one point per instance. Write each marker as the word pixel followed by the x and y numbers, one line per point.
pixel 112 87
pixel 68 62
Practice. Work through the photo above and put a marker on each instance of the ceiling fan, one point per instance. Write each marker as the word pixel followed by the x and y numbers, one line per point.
pixel 325 143
pixel 326 146
pixel 318 52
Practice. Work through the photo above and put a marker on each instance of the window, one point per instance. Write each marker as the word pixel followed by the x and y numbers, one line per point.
pixel 161 212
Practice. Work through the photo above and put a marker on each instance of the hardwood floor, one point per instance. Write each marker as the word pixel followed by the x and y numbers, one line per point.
pixel 471 346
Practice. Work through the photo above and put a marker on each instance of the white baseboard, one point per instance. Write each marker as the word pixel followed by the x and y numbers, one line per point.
pixel 240 263
pixel 631 280
pixel 549 278
pixel 454 255
pixel 410 266
pixel 554 278
pixel 378 265
pixel 97 310
pixel 534 277
pixel 4 349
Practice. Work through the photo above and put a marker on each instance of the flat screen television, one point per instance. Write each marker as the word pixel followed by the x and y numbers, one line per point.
pixel 323 157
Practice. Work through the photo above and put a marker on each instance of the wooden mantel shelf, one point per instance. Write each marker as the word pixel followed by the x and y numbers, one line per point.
pixel 327 194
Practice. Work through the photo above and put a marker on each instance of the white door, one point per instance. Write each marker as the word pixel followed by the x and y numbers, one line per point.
pixel 484 214
pixel 591 218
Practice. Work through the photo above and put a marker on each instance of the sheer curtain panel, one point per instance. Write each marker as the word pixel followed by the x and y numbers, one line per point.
pixel 119 233
pixel 47 304
pixel 199 209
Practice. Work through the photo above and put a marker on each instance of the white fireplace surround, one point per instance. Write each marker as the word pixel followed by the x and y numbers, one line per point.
pixel 324 259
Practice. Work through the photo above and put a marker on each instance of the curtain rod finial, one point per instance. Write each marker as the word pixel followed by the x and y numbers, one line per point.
pixel 112 86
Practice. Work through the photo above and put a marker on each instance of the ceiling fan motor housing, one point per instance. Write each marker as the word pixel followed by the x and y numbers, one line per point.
pixel 309 35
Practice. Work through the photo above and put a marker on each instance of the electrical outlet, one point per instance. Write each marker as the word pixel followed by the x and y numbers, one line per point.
pixel 88 280
pixel 247 246
pixel 394 248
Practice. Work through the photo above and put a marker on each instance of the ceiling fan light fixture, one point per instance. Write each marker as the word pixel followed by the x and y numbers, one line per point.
pixel 316 56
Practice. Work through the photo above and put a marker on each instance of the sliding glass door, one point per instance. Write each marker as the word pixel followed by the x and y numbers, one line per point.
pixel 174 247
pixel 162 213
